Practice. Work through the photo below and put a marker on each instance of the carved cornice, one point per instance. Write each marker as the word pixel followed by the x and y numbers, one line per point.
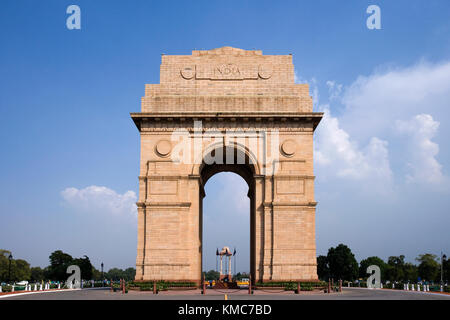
pixel 285 121
pixel 273 204
pixel 167 204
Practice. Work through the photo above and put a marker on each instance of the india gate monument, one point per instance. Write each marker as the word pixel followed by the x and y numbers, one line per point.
pixel 233 110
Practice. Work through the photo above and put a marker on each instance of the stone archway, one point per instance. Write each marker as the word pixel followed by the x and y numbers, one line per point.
pixel 233 110
pixel 248 170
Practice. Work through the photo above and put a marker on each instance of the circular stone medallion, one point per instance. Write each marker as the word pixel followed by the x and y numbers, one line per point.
pixel 265 72
pixel 188 72
pixel 288 148
pixel 163 148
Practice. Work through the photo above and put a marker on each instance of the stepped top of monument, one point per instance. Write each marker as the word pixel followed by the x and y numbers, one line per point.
pixel 227 51
pixel 227 79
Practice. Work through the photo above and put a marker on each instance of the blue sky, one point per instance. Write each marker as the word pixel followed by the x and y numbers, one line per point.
pixel 70 152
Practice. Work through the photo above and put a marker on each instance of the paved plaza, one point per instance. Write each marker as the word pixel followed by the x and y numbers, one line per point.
pixel 347 294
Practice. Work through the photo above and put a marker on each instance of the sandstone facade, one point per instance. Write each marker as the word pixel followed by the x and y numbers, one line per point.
pixel 234 110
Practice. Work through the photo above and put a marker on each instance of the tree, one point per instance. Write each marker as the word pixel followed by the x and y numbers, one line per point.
pixel 239 276
pixel 395 268
pixel 117 274
pixel 96 274
pixel 37 274
pixel 20 270
pixel 342 263
pixel 364 264
pixel 129 274
pixel 410 272
pixel 4 264
pixel 85 267
pixel 429 268
pixel 446 269
pixel 211 275
pixel 59 261
pixel 323 269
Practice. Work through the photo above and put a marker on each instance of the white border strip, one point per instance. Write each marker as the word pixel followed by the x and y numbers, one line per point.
pixel 33 292
pixel 398 290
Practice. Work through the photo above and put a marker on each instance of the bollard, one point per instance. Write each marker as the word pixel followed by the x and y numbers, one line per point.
pixel 154 287
pixel 111 282
pixel 250 285
pixel 0 288
pixel 203 286
pixel 329 286
pixel 12 288
pixel 298 287
pixel 340 285
pixel 59 285
pixel 124 286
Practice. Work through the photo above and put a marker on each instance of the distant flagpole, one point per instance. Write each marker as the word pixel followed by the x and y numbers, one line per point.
pixel 217 262
pixel 234 256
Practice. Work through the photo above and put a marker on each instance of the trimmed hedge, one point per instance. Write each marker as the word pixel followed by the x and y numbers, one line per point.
pixel 160 285
pixel 304 286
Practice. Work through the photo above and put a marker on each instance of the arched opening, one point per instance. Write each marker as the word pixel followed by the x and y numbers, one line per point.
pixel 226 222
pixel 232 188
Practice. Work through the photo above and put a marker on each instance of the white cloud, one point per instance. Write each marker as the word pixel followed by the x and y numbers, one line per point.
pixel 334 90
pixel 374 103
pixel 335 149
pixel 101 200
pixel 422 151
pixel 232 193
pixel 370 113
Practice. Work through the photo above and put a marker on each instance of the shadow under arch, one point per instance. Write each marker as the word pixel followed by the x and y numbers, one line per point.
pixel 244 165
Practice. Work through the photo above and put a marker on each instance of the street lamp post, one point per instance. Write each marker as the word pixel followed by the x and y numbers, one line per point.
pixel 102 274
pixel 443 257
pixel 9 269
